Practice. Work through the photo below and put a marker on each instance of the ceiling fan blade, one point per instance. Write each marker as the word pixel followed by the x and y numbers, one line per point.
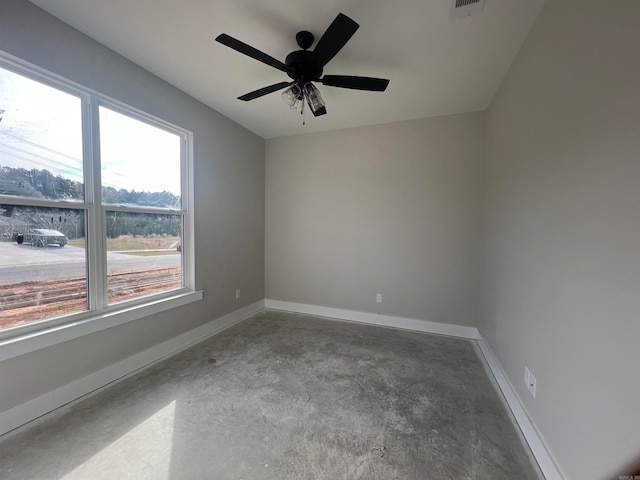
pixel 357 83
pixel 336 36
pixel 264 91
pixel 254 53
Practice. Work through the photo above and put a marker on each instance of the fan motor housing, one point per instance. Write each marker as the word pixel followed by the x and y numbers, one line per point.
pixel 304 66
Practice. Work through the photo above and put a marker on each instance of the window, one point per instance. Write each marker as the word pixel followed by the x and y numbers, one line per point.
pixel 94 204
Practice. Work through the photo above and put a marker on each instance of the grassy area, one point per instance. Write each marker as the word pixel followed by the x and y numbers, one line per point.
pixel 78 242
pixel 127 243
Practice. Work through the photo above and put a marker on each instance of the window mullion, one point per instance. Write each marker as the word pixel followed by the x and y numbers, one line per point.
pixel 96 243
pixel 40 202
pixel 187 201
pixel 136 209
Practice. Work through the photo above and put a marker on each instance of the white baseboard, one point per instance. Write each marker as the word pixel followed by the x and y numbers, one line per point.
pixel 538 448
pixel 401 323
pixel 74 391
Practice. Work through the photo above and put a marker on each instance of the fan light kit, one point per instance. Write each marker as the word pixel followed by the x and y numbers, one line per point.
pixel 304 67
pixel 295 97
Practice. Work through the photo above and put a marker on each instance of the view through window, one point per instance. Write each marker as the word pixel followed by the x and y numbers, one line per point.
pixel 71 241
pixel 140 181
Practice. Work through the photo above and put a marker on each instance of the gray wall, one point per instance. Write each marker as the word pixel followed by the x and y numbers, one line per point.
pixel 229 201
pixel 562 244
pixel 391 209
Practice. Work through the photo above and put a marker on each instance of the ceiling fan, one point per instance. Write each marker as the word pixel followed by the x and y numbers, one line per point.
pixel 305 66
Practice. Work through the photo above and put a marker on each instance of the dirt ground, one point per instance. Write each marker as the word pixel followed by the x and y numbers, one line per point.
pixel 30 302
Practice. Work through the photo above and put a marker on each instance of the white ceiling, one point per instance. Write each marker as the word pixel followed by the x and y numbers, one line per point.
pixel 437 66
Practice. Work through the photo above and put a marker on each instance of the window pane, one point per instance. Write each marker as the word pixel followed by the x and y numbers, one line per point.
pixel 144 254
pixel 40 140
pixel 42 264
pixel 140 162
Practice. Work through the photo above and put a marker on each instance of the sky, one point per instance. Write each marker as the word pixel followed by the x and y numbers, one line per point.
pixel 41 128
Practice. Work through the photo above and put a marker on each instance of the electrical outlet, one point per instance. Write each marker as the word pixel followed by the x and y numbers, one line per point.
pixel 532 385
pixel 530 381
pixel 379 297
pixel 238 294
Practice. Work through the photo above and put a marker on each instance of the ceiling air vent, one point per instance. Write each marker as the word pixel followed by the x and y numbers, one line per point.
pixel 466 8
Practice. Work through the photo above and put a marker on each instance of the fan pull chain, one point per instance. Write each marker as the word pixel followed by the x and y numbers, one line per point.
pixel 302 112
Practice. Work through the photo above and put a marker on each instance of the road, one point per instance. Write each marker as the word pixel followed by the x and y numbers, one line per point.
pixel 25 263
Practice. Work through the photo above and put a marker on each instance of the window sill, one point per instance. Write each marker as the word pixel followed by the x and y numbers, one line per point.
pixel 20 345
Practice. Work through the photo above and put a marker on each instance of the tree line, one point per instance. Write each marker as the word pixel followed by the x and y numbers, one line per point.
pixel 36 183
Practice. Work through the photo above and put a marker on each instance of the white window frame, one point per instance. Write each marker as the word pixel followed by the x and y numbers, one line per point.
pixel 100 315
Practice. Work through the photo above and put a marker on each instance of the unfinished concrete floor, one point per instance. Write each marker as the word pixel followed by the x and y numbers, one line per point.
pixel 288 397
